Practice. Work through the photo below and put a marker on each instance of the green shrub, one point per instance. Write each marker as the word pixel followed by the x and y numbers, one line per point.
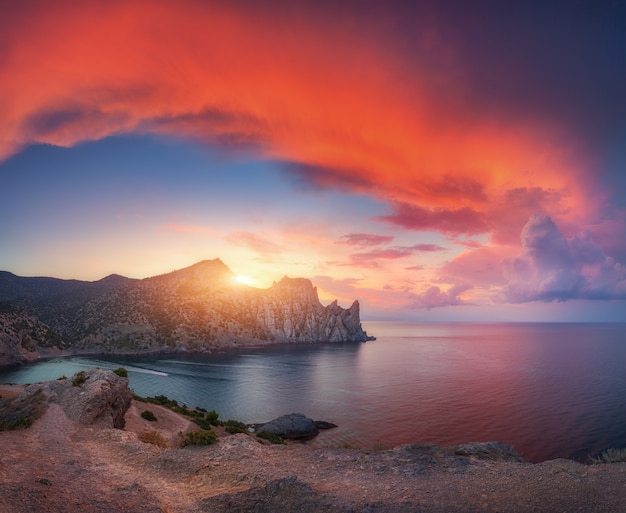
pixel 234 426
pixel 121 372
pixel 21 424
pixel 203 423
pixel 61 378
pixel 213 417
pixel 202 437
pixel 148 415
pixel 271 437
pixel 79 379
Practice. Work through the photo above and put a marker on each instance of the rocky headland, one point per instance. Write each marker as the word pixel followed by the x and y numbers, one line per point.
pixel 84 444
pixel 197 309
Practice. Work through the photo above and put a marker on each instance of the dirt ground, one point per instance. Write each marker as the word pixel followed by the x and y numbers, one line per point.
pixel 57 465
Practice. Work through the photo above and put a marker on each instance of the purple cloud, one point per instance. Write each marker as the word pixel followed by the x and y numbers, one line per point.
pixel 434 297
pixel 552 267
pixel 368 258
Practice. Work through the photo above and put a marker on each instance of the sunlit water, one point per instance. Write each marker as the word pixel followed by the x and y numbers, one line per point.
pixel 550 390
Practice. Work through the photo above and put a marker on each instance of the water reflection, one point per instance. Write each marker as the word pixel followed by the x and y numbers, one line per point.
pixel 550 390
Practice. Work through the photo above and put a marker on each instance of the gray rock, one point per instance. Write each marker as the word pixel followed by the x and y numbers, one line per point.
pixel 292 426
pixel 287 495
pixel 102 399
pixel 322 424
pixel 496 451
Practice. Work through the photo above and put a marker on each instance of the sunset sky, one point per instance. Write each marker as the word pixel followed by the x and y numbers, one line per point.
pixel 437 160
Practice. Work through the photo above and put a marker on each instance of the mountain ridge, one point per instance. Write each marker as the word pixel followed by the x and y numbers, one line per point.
pixel 199 308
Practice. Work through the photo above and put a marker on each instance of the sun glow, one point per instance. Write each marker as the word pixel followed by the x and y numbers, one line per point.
pixel 242 278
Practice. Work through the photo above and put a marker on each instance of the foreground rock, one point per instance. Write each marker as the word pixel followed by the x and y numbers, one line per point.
pixel 291 427
pixel 62 465
pixel 93 397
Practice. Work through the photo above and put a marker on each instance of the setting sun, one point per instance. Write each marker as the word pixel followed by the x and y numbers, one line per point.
pixel 242 278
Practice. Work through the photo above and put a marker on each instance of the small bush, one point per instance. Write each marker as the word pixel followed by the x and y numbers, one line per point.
pixel 148 415
pixel 61 378
pixel 611 455
pixel 121 372
pixel 202 437
pixel 203 423
pixel 21 424
pixel 154 438
pixel 213 417
pixel 79 379
pixel 162 400
pixel 234 426
pixel 270 437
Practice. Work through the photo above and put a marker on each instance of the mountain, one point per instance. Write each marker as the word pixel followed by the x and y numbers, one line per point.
pixel 196 309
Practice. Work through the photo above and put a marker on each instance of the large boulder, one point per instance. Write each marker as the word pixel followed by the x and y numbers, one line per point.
pixel 292 426
pixel 93 397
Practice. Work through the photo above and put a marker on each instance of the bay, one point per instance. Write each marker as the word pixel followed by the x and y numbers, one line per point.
pixel 550 390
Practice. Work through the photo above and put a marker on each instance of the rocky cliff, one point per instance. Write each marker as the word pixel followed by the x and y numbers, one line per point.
pixel 198 308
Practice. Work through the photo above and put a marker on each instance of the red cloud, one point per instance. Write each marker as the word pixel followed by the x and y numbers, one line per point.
pixel 341 104
pixel 454 221
pixel 368 259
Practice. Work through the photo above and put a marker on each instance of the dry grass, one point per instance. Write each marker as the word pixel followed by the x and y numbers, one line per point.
pixel 154 438
pixel 611 455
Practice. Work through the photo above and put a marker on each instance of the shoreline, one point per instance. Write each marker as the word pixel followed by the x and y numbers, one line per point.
pixel 63 462
pixel 160 352
pixel 13 390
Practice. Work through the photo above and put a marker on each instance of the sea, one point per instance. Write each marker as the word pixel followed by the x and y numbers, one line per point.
pixel 551 390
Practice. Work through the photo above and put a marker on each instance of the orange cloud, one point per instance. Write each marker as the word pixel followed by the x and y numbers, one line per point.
pixel 335 101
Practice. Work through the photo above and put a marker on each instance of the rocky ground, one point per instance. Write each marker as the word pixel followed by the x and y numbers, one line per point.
pixel 71 459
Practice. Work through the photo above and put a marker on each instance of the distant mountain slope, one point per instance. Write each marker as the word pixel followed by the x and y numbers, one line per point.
pixel 198 308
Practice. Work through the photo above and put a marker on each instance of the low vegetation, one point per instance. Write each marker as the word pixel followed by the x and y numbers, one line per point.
pixel 154 438
pixel 270 437
pixel 121 372
pixel 148 415
pixel 234 426
pixel 202 437
pixel 79 378
pixel 21 413
pixel 172 404
pixel 611 455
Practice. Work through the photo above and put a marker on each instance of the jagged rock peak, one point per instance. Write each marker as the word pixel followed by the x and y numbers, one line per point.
pixel 195 309
pixel 207 272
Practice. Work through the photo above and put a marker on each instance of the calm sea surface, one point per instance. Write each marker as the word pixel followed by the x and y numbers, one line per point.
pixel 550 390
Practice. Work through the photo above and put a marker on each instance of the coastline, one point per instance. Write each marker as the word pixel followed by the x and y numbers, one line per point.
pixel 221 349
pixel 59 464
